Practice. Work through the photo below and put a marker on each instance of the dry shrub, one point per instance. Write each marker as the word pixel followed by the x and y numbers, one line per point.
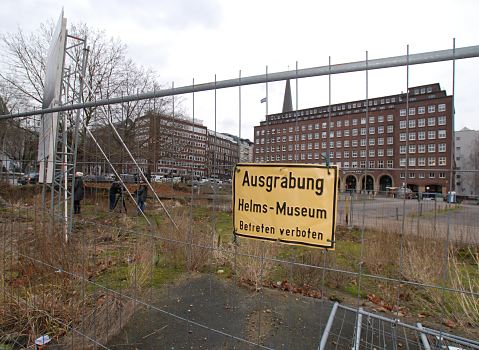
pixel 103 321
pixel 253 262
pixel 190 245
pixel 464 276
pixel 381 252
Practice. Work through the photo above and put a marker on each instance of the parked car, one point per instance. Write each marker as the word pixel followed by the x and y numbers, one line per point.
pixel 30 178
pixel 405 192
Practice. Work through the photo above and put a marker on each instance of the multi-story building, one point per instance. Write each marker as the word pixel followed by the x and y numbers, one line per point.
pixel 389 141
pixel 467 162
pixel 177 146
pixel 222 154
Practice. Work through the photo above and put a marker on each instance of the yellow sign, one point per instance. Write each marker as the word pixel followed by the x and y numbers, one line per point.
pixel 291 203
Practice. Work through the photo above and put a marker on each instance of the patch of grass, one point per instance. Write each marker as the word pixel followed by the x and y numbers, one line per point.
pixel 115 277
pixel 352 289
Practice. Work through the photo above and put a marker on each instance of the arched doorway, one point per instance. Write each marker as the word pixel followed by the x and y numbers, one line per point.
pixel 385 181
pixel 368 183
pixel 351 183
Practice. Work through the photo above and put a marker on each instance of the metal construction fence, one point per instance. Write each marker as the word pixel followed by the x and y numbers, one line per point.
pixel 404 272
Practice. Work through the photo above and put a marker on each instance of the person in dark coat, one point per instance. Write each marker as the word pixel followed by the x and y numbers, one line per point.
pixel 141 195
pixel 115 190
pixel 78 192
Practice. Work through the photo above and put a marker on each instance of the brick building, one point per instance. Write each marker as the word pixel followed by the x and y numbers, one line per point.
pixel 397 142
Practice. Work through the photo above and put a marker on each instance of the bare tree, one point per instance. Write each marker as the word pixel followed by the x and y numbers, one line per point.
pixel 109 73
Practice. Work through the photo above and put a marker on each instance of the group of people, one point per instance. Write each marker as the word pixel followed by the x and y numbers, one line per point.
pixel 116 194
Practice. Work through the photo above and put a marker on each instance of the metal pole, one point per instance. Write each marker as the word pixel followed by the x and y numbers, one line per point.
pixel 359 322
pixel 423 336
pixel 327 329
pixel 380 63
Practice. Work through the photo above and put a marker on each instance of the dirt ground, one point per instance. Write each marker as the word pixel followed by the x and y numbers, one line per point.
pixel 271 318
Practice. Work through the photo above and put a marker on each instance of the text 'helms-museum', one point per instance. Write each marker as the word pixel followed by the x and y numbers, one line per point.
pixel 397 140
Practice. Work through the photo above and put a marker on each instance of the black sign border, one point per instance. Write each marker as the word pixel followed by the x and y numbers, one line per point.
pixel 294 165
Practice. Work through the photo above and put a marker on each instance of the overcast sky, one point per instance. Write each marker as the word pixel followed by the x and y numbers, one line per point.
pixel 186 39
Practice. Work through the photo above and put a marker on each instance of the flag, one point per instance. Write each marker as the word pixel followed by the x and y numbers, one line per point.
pixel 263 100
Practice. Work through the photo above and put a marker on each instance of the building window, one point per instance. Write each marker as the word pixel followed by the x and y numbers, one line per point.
pixel 421 148
pixel 363 142
pixel 346 123
pixel 421 175
pixel 402 113
pixel 390 118
pixel 338 144
pixel 346 133
pixel 421 110
pixel 362 153
pixel 441 147
pixel 421 122
pixel 441 107
pixel 381 164
pixel 380 152
pixel 371 119
pixel 346 164
pixel 338 133
pixel 362 164
pixel 432 175
pixel 363 131
pixel 324 125
pixel 380 129
pixel 355 132
pixel 346 143
pixel 346 154
pixel 390 164
pixel 431 109
pixel 431 148
pixel 431 161
pixel 431 121
pixel 412 148
pixel 431 135
pixel 390 152
pixel 354 143
pixel 390 140
pixel 441 134
pixel 402 124
pixel 363 121
pixel 421 161
pixel 402 136
pixel 412 123
pixel 354 164
pixel 402 149
pixel 371 153
pixel 371 142
pixel 402 175
pixel 412 136
pixel 412 161
pixel 371 164
pixel 421 135
pixel 412 175
pixel 390 129
pixel 442 175
pixel 442 161
pixel 380 118
pixel 412 111
pixel 355 122
pixel 354 154
pixel 338 154
pixel 402 162
pixel 441 120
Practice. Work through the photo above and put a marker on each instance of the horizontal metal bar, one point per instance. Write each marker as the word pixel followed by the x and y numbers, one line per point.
pixel 380 63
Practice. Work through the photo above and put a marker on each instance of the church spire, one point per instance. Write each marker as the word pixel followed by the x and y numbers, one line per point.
pixel 288 101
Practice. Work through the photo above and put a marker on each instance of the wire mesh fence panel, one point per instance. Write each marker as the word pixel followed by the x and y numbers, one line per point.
pixel 149 259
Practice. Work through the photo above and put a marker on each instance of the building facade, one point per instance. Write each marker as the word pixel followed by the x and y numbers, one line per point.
pixel 222 155
pixel 467 162
pixel 397 140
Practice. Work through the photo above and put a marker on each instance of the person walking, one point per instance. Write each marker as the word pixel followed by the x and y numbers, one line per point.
pixel 141 195
pixel 78 192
